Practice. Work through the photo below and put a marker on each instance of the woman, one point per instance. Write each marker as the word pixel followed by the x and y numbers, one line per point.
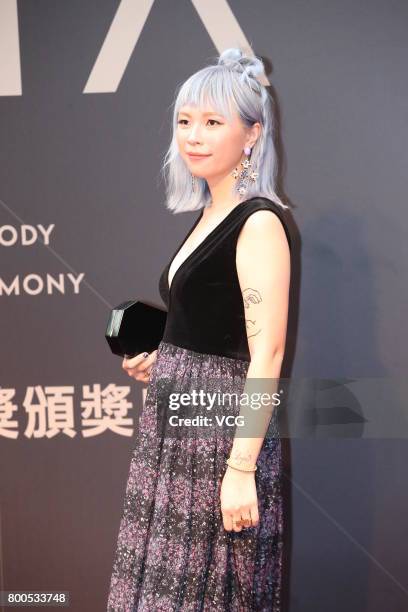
pixel 198 533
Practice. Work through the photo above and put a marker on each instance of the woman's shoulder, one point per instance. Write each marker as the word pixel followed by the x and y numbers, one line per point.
pixel 256 214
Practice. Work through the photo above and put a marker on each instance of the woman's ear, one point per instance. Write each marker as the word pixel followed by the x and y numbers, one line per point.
pixel 255 132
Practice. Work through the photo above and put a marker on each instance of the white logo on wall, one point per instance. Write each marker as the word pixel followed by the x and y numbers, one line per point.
pixel 33 283
pixel 120 41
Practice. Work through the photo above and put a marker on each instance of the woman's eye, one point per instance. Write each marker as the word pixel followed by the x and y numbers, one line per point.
pixel 180 121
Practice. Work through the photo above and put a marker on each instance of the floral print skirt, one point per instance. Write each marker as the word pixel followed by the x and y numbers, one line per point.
pixel 172 552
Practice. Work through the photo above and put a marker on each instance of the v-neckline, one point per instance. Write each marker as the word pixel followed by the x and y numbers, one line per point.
pixel 169 286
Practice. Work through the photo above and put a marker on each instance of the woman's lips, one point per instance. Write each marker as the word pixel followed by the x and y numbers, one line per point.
pixel 193 157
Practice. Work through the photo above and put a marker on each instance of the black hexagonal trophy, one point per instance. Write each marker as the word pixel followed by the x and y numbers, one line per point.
pixel 135 327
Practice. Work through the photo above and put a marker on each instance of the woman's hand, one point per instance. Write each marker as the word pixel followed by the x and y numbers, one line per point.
pixel 238 498
pixel 139 366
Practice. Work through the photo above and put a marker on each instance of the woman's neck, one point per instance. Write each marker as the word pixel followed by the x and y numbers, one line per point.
pixel 223 197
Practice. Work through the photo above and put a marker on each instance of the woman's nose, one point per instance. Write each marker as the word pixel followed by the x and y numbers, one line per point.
pixel 194 133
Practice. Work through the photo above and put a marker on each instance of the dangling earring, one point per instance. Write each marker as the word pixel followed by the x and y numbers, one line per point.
pixel 193 183
pixel 245 175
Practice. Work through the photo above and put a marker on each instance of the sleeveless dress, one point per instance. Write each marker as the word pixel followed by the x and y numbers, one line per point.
pixel 173 553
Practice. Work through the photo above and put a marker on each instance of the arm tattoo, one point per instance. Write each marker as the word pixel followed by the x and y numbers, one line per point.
pixel 242 459
pixel 251 298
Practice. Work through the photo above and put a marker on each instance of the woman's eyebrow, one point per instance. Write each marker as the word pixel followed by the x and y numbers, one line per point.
pixel 205 114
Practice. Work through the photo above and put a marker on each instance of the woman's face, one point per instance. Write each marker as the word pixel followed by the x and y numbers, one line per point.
pixel 203 131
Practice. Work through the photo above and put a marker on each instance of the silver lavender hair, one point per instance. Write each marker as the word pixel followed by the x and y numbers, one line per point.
pixel 231 83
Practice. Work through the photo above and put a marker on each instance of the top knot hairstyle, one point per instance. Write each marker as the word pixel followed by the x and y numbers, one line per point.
pixel 229 85
pixel 245 65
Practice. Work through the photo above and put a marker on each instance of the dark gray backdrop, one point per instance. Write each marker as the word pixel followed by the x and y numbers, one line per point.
pixel 89 163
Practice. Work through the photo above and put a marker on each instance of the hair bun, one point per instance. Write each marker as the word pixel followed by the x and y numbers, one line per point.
pixel 236 59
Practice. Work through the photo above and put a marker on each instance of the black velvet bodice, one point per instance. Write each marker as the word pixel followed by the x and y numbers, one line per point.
pixel 205 305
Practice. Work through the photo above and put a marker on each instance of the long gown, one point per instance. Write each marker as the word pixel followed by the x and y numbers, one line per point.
pixel 173 553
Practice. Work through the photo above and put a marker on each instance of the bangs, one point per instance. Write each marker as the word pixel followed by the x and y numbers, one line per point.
pixel 208 89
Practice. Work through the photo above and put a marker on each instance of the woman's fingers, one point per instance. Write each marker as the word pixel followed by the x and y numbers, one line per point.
pixel 254 516
pixel 146 373
pixel 231 518
pixel 133 362
pixel 236 523
pixel 149 361
pixel 227 521
pixel 246 519
pixel 139 366
pixel 240 518
pixel 147 365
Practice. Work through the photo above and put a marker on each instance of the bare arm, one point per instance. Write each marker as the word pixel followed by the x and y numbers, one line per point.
pixel 263 266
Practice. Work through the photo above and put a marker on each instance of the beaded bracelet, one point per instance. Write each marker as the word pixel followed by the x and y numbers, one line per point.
pixel 241 469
